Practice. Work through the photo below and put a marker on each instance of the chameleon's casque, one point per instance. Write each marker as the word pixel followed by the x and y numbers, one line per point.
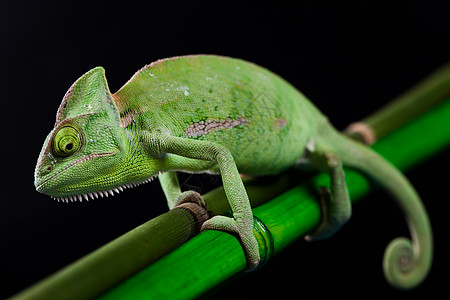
pixel 206 113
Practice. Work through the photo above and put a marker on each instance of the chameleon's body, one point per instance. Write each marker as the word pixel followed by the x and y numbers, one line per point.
pixel 214 114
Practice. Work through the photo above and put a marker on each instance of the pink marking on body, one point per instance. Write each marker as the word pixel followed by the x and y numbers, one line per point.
pixel 280 123
pixel 204 127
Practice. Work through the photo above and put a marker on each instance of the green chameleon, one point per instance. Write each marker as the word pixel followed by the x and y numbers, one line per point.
pixel 205 113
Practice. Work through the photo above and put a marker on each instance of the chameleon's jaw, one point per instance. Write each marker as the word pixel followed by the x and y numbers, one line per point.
pixel 101 193
pixel 88 177
pixel 79 179
pixel 44 179
pixel 40 181
pixel 65 184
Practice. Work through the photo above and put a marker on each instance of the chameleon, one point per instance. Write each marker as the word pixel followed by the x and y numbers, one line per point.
pixel 220 115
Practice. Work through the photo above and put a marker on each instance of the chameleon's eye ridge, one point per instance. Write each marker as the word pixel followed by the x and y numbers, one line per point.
pixel 66 141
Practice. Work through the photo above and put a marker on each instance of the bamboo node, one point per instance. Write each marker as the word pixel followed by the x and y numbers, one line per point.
pixel 265 241
pixel 362 132
pixel 198 212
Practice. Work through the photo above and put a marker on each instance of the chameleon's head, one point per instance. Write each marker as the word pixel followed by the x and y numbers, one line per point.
pixel 83 152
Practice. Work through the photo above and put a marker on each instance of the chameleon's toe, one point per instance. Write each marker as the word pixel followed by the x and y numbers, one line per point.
pixel 193 202
pixel 323 230
pixel 246 236
pixel 335 203
pixel 190 197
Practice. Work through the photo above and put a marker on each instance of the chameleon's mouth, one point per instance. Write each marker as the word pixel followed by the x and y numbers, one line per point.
pixel 85 158
pixel 100 193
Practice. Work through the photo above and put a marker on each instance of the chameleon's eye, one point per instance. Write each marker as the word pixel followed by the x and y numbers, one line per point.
pixel 66 141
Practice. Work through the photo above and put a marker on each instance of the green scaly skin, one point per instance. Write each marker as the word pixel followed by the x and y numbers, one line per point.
pixel 205 113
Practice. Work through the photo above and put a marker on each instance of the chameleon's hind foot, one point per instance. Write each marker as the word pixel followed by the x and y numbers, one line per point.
pixel 323 230
pixel 335 203
pixel 244 229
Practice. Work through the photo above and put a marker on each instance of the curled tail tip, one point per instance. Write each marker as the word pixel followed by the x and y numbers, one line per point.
pixel 405 268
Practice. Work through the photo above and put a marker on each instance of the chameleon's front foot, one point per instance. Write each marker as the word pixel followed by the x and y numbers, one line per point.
pixel 190 197
pixel 244 228
pixel 194 203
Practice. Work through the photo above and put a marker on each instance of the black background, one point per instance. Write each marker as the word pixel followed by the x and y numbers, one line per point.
pixel 349 58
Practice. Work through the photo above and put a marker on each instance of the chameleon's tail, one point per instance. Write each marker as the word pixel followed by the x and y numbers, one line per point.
pixel 406 262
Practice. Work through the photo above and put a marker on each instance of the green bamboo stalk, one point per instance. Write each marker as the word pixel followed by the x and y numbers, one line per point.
pixel 412 103
pixel 135 250
pixel 115 261
pixel 126 255
pixel 213 256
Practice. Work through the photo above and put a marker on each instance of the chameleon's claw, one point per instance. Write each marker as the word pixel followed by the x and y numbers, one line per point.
pixel 252 265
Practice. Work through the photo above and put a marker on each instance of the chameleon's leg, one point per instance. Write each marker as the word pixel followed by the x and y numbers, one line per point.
pixel 189 200
pixel 336 205
pixel 171 188
pixel 242 221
